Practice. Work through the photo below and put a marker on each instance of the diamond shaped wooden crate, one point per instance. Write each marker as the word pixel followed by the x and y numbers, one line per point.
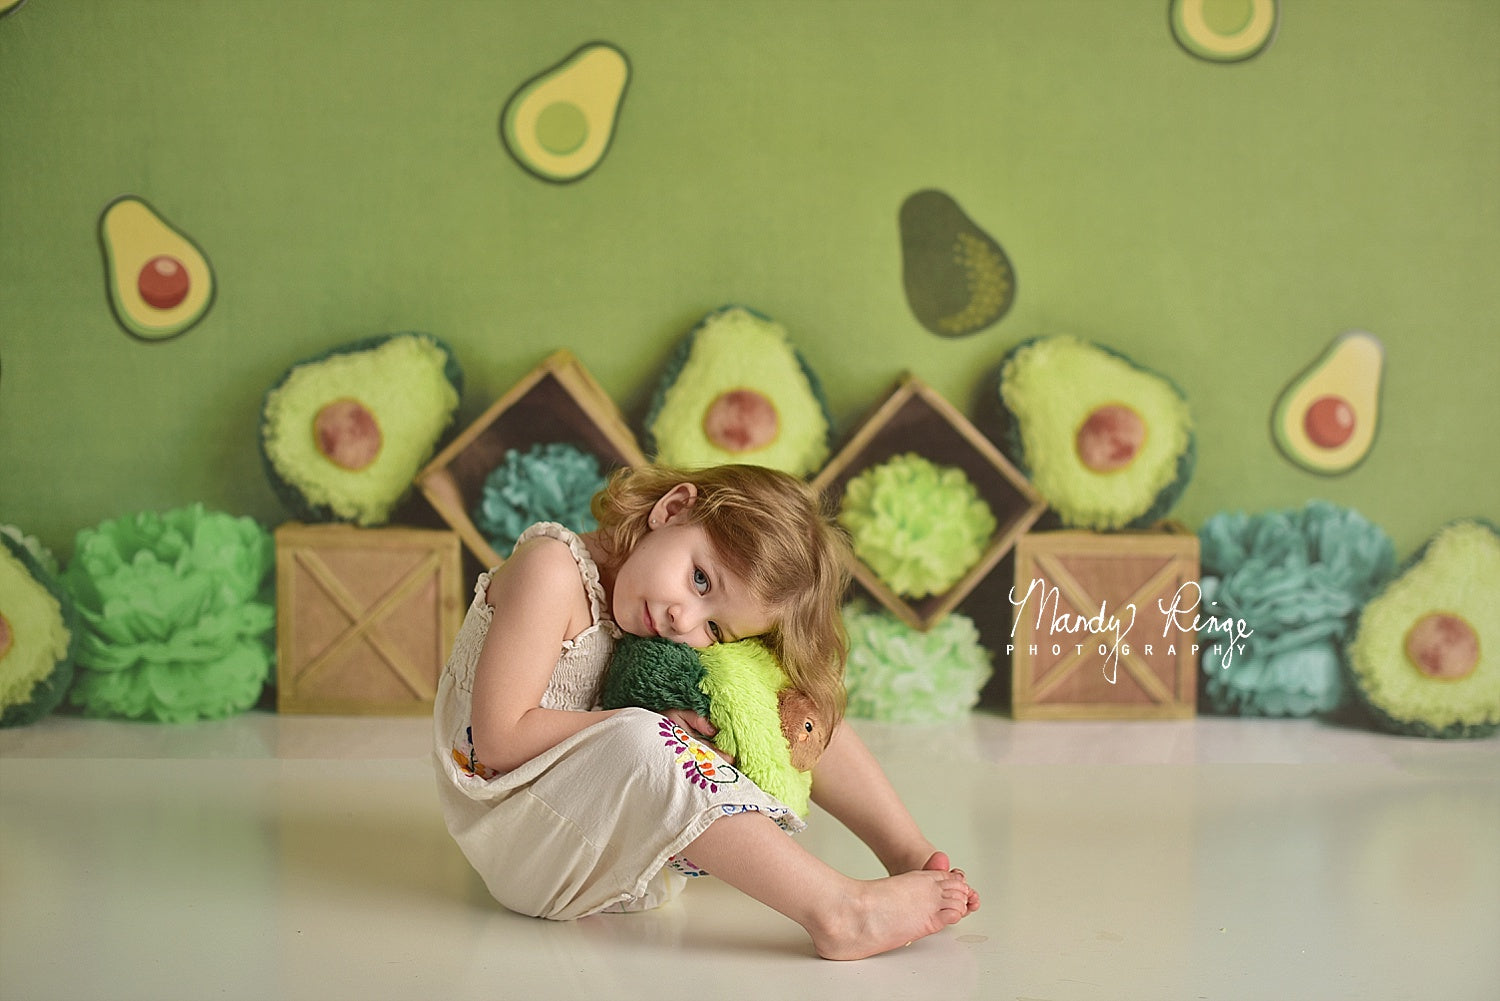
pixel 1069 661
pixel 365 617
pixel 558 401
pixel 915 418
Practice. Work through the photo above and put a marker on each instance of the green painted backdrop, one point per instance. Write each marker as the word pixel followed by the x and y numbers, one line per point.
pixel 339 162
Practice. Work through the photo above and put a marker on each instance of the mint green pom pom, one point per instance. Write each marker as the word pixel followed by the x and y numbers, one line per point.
pixel 1298 578
pixel 917 525
pixel 174 616
pixel 554 481
pixel 898 674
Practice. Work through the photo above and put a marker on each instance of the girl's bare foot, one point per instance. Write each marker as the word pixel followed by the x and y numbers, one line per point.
pixel 939 862
pixel 885 914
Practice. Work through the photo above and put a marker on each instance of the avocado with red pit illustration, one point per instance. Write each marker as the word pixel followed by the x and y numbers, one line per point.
pixel 158 280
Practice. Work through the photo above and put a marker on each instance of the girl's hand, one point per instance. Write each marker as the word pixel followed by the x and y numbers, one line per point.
pixel 699 727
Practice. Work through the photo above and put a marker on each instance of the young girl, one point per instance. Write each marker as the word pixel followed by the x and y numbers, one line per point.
pixel 568 810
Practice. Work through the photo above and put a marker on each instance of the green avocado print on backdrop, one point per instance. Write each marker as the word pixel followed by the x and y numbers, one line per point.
pixel 1223 31
pixel 159 281
pixel 1326 418
pixel 558 125
pixel 958 280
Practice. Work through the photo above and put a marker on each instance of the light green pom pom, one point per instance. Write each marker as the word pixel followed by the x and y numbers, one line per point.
pixel 917 525
pixel 175 625
pixel 898 674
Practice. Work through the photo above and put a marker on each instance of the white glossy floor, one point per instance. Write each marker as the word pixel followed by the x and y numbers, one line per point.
pixel 275 857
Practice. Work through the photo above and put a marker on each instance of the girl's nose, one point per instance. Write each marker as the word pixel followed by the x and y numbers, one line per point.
pixel 684 620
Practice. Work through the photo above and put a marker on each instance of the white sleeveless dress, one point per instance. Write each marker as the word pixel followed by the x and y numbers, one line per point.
pixel 597 822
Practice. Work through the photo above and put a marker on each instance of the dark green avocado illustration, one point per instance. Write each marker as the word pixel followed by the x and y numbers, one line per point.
pixel 958 280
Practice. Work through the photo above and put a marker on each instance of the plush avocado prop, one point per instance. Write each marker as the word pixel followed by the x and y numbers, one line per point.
pixel 159 281
pixel 38 632
pixel 736 390
pixel 1109 443
pixel 1326 418
pixel 558 125
pixel 1425 658
pixel 342 434
pixel 773 730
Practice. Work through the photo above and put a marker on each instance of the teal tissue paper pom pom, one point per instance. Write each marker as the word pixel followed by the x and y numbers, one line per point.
pixel 919 526
pixel 1297 578
pixel 897 674
pixel 553 481
pixel 175 612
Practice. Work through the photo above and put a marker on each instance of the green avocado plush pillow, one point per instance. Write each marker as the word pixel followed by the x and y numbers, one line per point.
pixel 768 727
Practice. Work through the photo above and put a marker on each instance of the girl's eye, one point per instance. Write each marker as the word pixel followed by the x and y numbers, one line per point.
pixel 700 580
pixel 716 632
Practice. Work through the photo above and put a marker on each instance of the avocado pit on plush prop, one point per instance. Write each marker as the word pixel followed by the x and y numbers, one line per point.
pixel 737 390
pixel 1109 443
pixel 771 728
pixel 343 434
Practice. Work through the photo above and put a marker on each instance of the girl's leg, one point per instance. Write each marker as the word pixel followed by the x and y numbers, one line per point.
pixel 849 783
pixel 847 918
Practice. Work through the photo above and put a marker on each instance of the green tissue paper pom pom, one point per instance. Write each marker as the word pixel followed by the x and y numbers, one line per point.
pixel 898 674
pixel 548 482
pixel 174 613
pixel 1298 579
pixel 917 525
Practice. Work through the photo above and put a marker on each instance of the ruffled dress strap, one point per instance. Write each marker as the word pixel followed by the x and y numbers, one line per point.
pixel 599 614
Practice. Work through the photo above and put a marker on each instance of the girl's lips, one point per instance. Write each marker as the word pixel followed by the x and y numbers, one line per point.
pixel 650 622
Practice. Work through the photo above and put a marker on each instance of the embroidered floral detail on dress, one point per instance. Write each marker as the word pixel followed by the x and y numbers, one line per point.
pixel 700 765
pixel 468 761
pixel 730 809
pixel 679 864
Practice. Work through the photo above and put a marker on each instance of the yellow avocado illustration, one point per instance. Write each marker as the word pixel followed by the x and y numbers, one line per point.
pixel 1325 420
pixel 1224 31
pixel 159 282
pixel 559 124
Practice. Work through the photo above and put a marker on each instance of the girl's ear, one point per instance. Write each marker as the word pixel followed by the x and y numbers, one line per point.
pixel 673 506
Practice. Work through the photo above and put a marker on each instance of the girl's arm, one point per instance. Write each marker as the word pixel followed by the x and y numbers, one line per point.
pixel 538 602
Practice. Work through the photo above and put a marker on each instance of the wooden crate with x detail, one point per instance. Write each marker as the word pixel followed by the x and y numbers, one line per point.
pixel 365 617
pixel 1102 625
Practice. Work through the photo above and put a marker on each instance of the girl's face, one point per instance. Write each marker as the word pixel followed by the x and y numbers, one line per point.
pixel 673 584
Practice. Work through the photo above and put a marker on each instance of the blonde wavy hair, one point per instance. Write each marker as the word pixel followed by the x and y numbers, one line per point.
pixel 771 531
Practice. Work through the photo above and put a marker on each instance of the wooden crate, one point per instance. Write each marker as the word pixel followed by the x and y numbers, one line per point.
pixel 1148 667
pixel 915 418
pixel 365 617
pixel 558 401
